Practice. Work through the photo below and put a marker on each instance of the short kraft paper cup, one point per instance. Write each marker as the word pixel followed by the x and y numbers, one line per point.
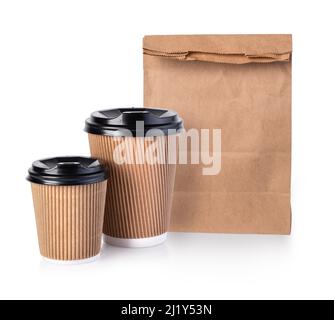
pixel 69 198
pixel 140 191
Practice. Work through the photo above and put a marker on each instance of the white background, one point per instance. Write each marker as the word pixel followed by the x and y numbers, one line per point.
pixel 60 60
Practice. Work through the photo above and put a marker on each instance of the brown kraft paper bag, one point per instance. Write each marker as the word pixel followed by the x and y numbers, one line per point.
pixel 240 84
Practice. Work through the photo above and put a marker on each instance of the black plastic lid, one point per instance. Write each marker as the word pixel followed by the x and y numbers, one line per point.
pixel 121 122
pixel 65 171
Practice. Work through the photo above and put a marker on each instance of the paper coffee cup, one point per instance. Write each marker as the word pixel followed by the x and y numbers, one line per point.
pixel 138 146
pixel 69 198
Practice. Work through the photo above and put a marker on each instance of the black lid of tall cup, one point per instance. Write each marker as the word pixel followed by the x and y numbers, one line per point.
pixel 137 122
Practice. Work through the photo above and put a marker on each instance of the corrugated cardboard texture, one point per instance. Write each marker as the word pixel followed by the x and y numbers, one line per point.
pixel 139 197
pixel 241 84
pixel 69 220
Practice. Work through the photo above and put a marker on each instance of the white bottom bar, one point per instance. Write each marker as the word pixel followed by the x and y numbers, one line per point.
pixel 135 243
pixel 72 262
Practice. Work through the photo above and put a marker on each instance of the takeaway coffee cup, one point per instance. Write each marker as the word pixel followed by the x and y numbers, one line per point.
pixel 138 146
pixel 69 199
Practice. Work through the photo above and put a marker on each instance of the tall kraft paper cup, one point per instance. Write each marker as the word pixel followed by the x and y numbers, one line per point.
pixel 140 191
pixel 69 198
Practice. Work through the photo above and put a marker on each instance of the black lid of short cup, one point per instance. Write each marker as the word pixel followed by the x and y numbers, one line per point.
pixel 137 122
pixel 66 171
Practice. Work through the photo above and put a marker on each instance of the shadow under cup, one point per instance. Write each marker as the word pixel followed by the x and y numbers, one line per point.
pixel 138 146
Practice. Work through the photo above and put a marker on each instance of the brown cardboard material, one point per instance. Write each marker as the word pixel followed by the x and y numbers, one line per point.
pixel 139 196
pixel 241 84
pixel 69 220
